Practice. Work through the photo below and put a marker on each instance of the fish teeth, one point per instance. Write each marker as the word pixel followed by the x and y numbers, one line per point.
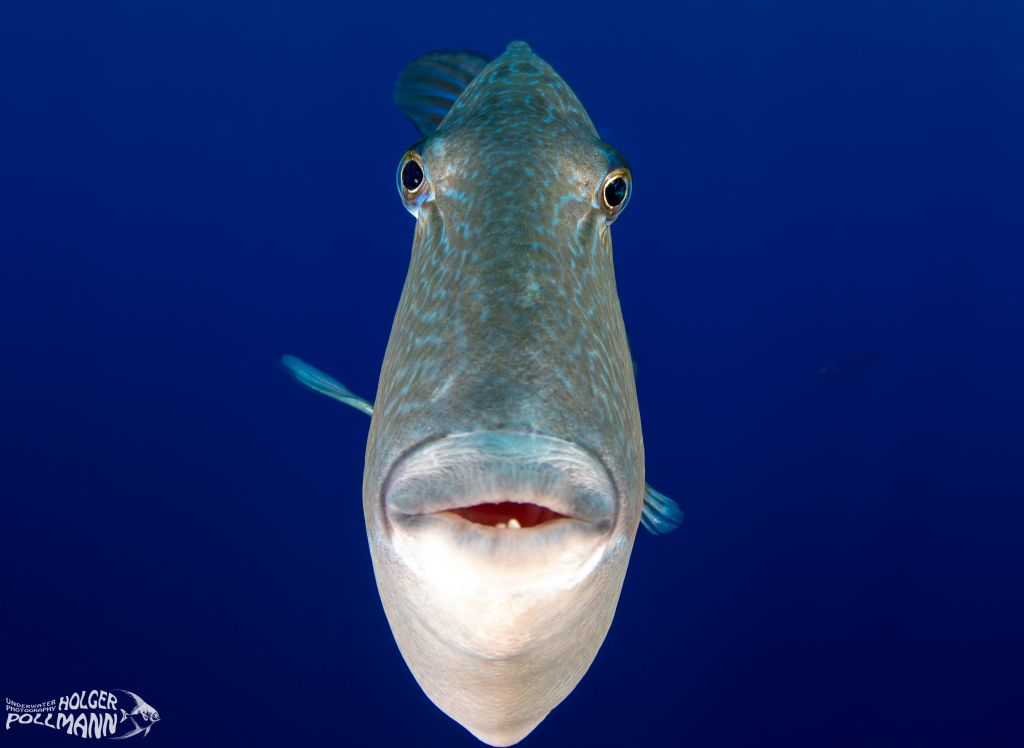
pixel 501 525
pixel 513 524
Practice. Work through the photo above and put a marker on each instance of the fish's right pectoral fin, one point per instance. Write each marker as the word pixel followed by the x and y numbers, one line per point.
pixel 659 513
pixel 430 84
pixel 317 381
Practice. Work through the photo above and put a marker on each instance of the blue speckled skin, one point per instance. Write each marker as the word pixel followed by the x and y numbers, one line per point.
pixel 509 318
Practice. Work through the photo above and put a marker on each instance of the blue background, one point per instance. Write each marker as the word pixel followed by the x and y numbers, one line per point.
pixel 189 189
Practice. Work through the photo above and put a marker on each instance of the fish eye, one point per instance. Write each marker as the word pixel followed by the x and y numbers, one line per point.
pixel 615 192
pixel 410 175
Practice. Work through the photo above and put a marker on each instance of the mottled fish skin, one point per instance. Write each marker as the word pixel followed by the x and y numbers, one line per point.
pixel 509 318
pixel 509 322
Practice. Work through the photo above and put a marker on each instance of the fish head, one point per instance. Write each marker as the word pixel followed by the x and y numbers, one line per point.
pixel 147 712
pixel 504 467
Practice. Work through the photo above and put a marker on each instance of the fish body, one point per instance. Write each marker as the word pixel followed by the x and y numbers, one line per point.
pixel 504 474
pixel 139 709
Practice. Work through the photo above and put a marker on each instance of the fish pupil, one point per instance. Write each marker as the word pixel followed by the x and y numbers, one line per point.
pixel 615 192
pixel 412 176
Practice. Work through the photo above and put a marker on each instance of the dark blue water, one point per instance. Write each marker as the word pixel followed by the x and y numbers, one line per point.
pixel 190 189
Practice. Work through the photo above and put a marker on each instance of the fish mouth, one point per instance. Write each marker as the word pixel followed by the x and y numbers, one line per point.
pixel 487 540
pixel 501 482
pixel 508 515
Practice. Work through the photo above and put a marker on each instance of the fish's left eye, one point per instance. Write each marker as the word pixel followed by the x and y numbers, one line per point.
pixel 615 192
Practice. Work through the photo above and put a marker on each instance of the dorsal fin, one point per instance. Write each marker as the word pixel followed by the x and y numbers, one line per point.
pixel 430 84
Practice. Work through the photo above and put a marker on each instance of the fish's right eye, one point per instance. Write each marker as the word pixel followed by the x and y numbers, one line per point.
pixel 410 175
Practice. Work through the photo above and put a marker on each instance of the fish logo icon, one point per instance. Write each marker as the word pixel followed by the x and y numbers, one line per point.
pixel 140 710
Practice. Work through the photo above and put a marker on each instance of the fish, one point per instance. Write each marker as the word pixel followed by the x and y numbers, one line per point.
pixel 140 709
pixel 504 477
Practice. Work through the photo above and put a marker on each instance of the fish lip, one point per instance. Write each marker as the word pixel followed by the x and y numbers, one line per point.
pixel 440 474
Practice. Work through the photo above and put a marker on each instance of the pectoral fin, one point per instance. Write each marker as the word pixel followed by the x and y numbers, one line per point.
pixel 317 381
pixel 429 85
pixel 659 513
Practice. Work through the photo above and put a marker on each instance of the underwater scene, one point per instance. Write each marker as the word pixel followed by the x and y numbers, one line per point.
pixel 581 374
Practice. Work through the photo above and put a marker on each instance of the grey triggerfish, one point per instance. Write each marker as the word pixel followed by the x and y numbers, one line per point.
pixel 504 477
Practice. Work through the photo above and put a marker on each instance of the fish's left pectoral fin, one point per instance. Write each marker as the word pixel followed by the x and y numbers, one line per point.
pixel 317 381
pixel 659 513
pixel 430 84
